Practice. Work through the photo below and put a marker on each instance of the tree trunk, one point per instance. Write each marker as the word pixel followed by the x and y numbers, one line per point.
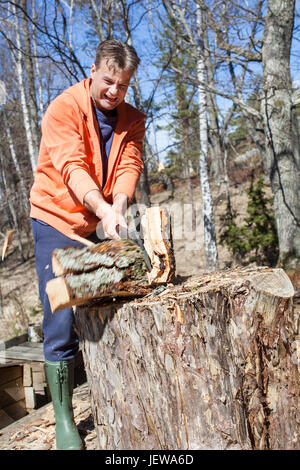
pixel 208 364
pixel 216 147
pixel 26 116
pixel 143 187
pixel 281 143
pixel 30 78
pixel 37 66
pixel 210 241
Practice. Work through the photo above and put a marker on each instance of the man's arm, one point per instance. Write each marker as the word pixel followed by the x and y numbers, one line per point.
pixel 128 173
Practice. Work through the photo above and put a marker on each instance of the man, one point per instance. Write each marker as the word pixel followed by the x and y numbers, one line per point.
pixel 88 169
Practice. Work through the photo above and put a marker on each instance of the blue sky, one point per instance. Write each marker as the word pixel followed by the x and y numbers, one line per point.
pixel 148 74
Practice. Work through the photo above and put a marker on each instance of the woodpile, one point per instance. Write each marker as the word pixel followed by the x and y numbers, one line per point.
pixel 12 396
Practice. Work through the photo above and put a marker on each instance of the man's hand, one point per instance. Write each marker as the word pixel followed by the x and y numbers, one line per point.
pixel 112 217
pixel 112 222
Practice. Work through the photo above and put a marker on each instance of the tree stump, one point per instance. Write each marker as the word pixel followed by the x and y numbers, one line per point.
pixel 209 363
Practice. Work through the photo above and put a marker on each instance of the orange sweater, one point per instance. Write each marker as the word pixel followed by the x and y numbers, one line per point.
pixel 70 165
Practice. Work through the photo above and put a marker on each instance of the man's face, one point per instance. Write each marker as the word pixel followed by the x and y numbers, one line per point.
pixel 108 87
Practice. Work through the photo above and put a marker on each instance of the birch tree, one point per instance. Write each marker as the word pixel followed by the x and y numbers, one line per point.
pixel 36 62
pixel 29 80
pixel 217 142
pixel 176 10
pixel 18 57
pixel 210 242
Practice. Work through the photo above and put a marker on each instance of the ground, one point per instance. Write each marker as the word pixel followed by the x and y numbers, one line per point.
pixel 36 431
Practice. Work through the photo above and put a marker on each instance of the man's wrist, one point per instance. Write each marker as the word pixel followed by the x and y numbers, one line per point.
pixel 102 209
pixel 94 201
pixel 121 202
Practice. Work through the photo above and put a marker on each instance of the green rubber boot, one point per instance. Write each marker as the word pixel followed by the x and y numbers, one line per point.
pixel 60 376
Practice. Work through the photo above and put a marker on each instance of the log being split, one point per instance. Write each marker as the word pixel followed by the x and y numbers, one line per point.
pixel 113 268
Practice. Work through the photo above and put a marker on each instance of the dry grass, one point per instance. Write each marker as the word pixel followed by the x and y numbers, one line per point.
pixel 20 304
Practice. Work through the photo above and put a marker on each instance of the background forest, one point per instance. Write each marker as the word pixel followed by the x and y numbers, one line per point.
pixel 219 83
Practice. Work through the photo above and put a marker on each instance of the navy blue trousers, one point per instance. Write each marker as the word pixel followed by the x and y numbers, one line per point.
pixel 60 339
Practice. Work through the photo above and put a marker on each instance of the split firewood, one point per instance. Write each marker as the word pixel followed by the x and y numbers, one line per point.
pixel 113 268
pixel 156 226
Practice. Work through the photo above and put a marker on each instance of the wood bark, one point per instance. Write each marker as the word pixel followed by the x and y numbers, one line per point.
pixel 282 153
pixel 112 268
pixel 205 364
